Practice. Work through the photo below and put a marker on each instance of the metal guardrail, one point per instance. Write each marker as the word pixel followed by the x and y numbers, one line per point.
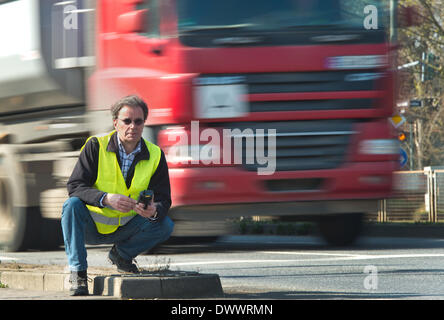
pixel 418 196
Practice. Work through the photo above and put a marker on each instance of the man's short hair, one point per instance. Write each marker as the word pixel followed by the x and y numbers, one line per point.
pixel 130 101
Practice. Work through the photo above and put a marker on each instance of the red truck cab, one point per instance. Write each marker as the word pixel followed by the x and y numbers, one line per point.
pixel 277 108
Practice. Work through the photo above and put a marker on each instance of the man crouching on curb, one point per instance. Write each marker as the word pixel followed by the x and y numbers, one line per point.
pixel 103 189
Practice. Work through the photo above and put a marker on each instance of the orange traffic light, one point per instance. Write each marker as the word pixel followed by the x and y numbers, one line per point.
pixel 402 136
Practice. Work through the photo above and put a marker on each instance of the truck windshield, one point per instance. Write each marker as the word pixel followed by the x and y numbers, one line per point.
pixel 196 15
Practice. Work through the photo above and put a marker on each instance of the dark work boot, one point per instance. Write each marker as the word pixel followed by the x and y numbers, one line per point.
pixel 79 283
pixel 124 266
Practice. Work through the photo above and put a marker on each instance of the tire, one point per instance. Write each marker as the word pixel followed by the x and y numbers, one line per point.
pixel 12 209
pixel 22 226
pixel 341 230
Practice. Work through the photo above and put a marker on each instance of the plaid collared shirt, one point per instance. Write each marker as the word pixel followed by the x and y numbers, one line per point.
pixel 127 159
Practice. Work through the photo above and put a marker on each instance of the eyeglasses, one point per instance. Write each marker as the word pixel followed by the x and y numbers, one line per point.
pixel 136 122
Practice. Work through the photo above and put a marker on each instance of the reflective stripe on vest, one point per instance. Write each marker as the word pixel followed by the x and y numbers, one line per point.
pixel 110 179
pixel 99 218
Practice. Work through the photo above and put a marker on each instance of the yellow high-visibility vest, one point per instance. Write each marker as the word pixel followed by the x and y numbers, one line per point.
pixel 110 179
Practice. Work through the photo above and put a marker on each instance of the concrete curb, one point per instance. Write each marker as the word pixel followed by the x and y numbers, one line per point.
pixel 162 285
pixel 172 285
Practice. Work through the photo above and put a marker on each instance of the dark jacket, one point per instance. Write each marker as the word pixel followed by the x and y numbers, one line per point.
pixel 84 175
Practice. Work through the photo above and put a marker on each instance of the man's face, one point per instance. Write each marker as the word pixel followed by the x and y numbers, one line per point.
pixel 129 124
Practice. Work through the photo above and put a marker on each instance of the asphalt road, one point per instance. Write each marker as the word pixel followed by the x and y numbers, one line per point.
pixel 273 267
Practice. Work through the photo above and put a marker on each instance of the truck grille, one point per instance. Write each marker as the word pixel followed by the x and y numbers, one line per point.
pixel 300 145
pixel 311 105
pixel 285 83
pixel 322 81
pixel 307 144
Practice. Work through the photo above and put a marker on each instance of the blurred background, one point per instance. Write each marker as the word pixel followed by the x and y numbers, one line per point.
pixel 352 88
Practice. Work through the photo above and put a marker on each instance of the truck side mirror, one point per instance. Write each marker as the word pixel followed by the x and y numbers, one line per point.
pixel 133 21
pixel 409 17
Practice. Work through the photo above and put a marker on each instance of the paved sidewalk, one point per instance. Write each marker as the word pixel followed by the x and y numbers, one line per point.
pixel 49 282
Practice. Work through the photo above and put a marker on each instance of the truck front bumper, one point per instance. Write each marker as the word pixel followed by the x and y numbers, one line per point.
pixel 347 189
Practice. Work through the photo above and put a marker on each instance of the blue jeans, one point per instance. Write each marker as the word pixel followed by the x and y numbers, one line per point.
pixel 132 239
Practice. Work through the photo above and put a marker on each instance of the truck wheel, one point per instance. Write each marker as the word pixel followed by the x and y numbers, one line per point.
pixel 22 226
pixel 341 230
pixel 12 215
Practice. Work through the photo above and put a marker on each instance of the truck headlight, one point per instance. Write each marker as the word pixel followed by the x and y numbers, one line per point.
pixel 379 147
pixel 356 62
